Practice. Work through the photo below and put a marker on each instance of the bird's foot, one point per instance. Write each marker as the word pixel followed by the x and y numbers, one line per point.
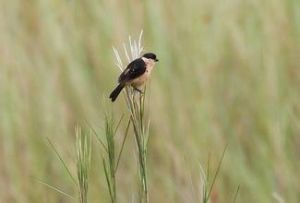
pixel 138 90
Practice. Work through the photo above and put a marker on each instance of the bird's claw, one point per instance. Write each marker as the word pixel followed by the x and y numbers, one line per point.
pixel 138 90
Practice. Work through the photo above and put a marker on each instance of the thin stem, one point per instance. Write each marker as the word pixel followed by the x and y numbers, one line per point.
pixel 236 194
pixel 122 146
pixel 62 161
pixel 217 171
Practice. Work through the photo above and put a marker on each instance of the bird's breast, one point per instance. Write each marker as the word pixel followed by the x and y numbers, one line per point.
pixel 141 80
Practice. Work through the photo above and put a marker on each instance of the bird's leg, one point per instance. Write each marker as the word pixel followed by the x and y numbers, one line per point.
pixel 138 90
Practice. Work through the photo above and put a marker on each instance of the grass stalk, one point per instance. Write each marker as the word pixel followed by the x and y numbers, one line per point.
pixel 83 148
pixel 83 152
pixel 110 160
pixel 136 107
pixel 207 190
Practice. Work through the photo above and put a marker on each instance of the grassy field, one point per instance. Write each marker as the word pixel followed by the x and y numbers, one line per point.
pixel 229 73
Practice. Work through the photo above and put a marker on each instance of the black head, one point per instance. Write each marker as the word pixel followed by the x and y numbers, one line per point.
pixel 150 56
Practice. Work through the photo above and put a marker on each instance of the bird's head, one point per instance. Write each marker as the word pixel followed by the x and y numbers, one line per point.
pixel 151 56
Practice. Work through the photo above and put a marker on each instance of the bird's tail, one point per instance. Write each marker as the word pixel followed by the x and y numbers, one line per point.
pixel 113 96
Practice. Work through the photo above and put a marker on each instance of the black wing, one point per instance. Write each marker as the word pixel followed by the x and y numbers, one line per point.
pixel 134 69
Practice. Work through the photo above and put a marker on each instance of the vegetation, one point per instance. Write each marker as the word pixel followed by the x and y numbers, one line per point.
pixel 228 74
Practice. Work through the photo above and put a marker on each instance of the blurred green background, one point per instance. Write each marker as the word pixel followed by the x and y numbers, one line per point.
pixel 228 74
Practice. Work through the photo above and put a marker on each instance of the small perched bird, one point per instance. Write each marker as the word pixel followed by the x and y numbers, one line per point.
pixel 136 74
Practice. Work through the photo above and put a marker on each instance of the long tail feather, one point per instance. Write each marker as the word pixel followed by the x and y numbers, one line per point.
pixel 113 96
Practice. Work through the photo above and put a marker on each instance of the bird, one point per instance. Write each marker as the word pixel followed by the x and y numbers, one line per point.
pixel 136 74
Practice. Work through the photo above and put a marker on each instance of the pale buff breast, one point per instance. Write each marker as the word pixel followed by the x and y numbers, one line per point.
pixel 143 78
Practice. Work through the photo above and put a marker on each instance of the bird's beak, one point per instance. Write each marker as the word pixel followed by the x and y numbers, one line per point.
pixel 156 60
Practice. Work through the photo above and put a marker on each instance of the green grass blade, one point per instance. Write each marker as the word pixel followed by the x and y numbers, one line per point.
pixel 217 171
pixel 55 189
pixel 236 194
pixel 97 136
pixel 123 143
pixel 62 161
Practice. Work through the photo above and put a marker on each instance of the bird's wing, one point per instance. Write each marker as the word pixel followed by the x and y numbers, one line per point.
pixel 134 69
